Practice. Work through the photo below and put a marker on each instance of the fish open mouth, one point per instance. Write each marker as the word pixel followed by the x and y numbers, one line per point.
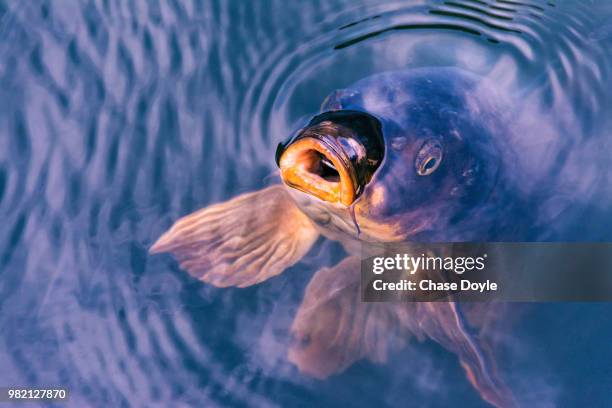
pixel 317 166
pixel 334 157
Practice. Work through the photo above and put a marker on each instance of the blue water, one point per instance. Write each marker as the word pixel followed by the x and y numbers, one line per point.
pixel 118 117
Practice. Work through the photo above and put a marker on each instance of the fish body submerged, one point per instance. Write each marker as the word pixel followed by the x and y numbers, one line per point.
pixel 417 156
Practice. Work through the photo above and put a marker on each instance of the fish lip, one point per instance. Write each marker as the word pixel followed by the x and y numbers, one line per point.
pixel 300 158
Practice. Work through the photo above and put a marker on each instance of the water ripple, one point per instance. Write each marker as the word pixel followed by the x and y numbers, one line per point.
pixel 118 117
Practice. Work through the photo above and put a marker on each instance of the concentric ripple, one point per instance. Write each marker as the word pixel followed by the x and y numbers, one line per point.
pixel 117 117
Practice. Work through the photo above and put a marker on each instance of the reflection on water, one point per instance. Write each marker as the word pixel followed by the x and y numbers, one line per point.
pixel 119 117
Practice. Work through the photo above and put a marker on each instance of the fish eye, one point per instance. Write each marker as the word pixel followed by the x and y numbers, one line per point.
pixel 428 159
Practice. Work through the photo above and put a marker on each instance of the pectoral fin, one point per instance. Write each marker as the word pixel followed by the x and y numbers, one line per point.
pixel 241 242
pixel 333 328
pixel 446 323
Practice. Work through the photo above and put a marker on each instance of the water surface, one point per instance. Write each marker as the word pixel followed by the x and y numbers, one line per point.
pixel 117 117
